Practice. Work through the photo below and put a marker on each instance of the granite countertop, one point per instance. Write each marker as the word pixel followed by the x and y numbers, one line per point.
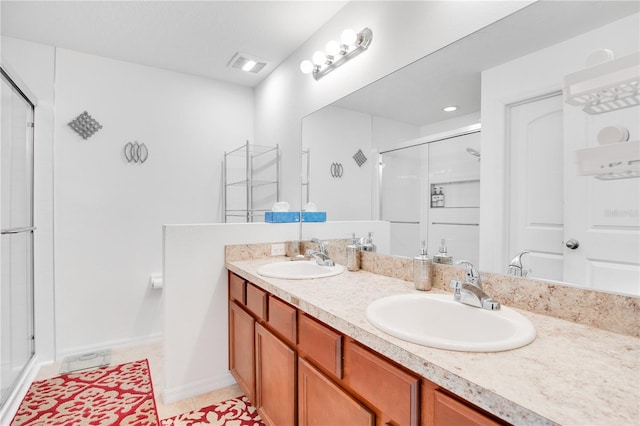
pixel 570 374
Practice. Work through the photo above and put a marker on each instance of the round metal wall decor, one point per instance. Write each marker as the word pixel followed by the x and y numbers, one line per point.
pixel 336 170
pixel 136 152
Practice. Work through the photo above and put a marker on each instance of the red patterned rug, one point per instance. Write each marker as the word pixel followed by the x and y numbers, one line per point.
pixel 236 411
pixel 120 395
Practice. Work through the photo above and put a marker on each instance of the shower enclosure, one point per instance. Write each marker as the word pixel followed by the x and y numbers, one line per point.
pixel 430 192
pixel 16 223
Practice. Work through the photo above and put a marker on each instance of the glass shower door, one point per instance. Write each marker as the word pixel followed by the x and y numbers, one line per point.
pixel 16 224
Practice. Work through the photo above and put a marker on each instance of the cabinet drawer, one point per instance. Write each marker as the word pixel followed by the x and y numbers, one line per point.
pixel 237 288
pixel 283 319
pixel 321 344
pixel 321 402
pixel 388 388
pixel 450 411
pixel 257 301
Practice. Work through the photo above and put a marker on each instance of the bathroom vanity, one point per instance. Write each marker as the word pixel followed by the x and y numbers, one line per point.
pixel 275 348
pixel 304 353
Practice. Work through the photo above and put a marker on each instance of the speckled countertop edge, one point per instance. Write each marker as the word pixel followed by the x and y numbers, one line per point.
pixel 574 374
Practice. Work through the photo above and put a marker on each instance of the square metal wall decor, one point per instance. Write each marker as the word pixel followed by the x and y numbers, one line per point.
pixel 85 125
pixel 360 158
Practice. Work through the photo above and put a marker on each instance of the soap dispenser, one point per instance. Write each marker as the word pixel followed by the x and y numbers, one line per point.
pixel 442 256
pixel 367 244
pixel 353 254
pixel 422 270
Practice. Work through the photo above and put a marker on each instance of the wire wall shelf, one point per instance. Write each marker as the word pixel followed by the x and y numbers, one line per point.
pixel 251 182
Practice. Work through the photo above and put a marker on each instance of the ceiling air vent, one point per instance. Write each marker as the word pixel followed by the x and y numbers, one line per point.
pixel 248 63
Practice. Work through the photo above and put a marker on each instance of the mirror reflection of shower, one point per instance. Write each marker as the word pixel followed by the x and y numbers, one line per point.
pixel 474 152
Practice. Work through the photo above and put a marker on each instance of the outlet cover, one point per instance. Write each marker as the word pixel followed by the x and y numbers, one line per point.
pixel 277 249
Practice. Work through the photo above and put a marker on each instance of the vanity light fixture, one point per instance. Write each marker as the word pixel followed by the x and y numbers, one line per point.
pixel 336 54
pixel 450 108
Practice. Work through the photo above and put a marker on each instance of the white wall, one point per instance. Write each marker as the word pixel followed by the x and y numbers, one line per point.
pixel 402 33
pixel 109 213
pixel 388 133
pixel 195 281
pixel 512 82
pixel 334 135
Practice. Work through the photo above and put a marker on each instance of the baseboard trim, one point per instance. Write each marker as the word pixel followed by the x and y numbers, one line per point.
pixel 171 395
pixel 10 407
pixel 113 344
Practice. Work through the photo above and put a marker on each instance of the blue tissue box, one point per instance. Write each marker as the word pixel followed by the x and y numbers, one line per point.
pixel 314 216
pixel 281 217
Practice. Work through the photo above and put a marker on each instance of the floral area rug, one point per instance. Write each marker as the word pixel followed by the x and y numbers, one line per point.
pixel 120 395
pixel 232 412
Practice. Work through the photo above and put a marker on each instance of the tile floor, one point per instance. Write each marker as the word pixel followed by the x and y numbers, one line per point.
pixel 153 352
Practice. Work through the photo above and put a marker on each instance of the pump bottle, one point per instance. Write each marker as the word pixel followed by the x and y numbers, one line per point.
pixel 422 270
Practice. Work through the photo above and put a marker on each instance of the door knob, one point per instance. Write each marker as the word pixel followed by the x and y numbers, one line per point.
pixel 573 244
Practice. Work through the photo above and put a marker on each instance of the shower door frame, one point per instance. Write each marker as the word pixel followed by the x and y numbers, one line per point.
pixel 7 399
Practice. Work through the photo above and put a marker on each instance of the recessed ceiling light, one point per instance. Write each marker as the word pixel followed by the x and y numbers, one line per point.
pixel 450 108
pixel 248 66
pixel 248 63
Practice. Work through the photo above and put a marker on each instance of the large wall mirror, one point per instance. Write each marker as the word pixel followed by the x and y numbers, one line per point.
pixel 499 176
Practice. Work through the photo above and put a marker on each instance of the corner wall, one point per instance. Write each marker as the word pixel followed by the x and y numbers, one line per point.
pixel 109 212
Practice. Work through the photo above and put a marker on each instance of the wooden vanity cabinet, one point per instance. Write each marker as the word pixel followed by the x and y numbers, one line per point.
pixel 263 364
pixel 297 370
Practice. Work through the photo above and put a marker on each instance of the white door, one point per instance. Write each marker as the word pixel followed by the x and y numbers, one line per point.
pixel 602 216
pixel 579 229
pixel 536 185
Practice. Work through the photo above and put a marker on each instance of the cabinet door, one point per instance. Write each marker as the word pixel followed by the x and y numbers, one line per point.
pixel 321 402
pixel 241 355
pixel 275 379
pixel 449 411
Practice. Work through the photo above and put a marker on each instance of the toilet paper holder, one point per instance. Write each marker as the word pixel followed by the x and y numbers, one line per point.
pixel 156 281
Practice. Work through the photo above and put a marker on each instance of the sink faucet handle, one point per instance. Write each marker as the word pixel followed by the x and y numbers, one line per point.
pixel 473 277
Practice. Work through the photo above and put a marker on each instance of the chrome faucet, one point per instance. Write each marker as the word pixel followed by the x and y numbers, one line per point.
pixel 515 266
pixel 322 246
pixel 470 292
pixel 321 256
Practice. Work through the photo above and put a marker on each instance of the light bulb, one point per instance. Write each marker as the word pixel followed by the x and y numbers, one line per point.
pixel 306 66
pixel 450 108
pixel 333 48
pixel 349 37
pixel 319 58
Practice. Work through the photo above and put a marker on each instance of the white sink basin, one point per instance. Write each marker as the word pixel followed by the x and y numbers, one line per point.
pixel 299 270
pixel 436 320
